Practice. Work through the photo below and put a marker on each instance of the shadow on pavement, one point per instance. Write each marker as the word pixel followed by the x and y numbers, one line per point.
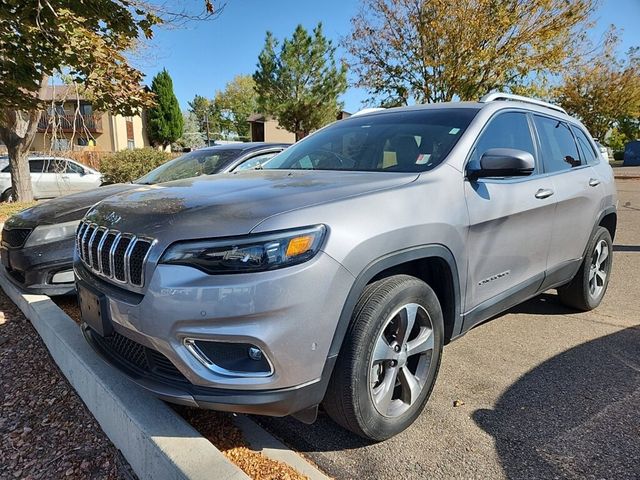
pixel 576 415
pixel 626 248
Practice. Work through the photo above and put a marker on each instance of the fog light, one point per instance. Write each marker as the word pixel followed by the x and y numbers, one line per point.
pixel 230 358
pixel 65 276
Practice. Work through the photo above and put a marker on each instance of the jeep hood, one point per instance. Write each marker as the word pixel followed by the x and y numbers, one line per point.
pixel 66 208
pixel 233 203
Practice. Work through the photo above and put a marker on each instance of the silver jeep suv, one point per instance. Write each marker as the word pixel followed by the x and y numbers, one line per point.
pixel 336 274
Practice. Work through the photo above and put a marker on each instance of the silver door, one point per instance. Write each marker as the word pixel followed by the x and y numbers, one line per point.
pixel 510 219
pixel 576 185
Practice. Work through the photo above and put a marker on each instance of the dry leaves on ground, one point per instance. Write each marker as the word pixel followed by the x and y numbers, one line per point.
pixel 46 431
pixel 220 430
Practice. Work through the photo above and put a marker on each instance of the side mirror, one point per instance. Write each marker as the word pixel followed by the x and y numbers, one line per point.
pixel 503 162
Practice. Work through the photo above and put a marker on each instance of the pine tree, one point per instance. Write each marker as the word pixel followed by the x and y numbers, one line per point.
pixel 300 84
pixel 165 121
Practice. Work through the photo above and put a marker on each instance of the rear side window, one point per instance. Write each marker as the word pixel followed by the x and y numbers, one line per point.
pixel 37 166
pixel 558 147
pixel 507 130
pixel 587 153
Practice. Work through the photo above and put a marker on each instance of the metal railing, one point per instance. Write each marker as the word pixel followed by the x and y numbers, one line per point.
pixel 71 122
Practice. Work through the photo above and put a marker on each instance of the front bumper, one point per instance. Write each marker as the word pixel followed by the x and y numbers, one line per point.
pixel 37 269
pixel 290 314
pixel 276 402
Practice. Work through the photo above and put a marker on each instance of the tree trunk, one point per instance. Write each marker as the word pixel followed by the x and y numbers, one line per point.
pixel 20 175
pixel 17 131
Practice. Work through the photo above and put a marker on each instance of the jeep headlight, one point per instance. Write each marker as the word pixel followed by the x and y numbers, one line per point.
pixel 51 233
pixel 250 253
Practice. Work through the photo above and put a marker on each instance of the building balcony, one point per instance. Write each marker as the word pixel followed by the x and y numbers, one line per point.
pixel 70 123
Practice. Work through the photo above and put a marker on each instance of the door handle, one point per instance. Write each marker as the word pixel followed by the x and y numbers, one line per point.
pixel 544 193
pixel 594 182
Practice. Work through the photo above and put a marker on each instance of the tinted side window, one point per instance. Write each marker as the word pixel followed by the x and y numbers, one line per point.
pixel 56 165
pixel 587 153
pixel 256 162
pixel 559 151
pixel 74 168
pixel 37 166
pixel 507 130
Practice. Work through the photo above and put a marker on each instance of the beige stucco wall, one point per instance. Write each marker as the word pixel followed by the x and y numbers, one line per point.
pixel 112 139
pixel 274 133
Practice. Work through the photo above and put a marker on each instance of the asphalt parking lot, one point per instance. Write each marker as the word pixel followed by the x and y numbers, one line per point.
pixel 545 392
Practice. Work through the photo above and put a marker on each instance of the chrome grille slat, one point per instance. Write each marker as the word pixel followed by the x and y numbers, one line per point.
pixel 93 250
pixel 120 257
pixel 99 249
pixel 90 244
pixel 127 258
pixel 81 229
pixel 85 242
pixel 112 253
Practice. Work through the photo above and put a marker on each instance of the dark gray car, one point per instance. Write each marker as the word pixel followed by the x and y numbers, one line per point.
pixel 337 274
pixel 37 244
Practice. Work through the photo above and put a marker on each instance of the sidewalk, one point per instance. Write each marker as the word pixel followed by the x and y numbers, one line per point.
pixel 626 172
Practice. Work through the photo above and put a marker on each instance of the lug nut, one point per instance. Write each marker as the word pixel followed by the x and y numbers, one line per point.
pixel 396 348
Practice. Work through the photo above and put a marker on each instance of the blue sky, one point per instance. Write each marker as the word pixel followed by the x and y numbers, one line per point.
pixel 204 56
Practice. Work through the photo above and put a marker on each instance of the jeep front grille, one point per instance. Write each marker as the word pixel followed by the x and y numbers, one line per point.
pixel 118 256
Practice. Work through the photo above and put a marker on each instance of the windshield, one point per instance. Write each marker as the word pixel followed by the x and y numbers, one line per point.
pixel 404 141
pixel 193 164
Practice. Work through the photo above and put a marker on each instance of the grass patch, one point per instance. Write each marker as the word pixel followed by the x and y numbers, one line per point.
pixel 9 209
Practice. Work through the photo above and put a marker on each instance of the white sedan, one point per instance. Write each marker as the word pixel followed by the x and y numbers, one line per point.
pixel 51 177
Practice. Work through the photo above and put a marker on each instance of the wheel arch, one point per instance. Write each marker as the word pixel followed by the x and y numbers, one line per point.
pixel 428 263
pixel 609 220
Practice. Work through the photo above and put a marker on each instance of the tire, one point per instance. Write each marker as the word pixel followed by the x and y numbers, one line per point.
pixel 355 396
pixel 7 195
pixel 581 292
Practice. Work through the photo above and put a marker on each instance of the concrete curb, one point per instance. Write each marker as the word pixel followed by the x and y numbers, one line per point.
pixel 262 441
pixel 156 442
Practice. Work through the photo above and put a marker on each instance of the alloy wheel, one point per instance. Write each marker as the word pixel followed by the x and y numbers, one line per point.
pixel 599 269
pixel 401 360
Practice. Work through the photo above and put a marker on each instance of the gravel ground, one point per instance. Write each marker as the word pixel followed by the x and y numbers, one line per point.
pixel 47 432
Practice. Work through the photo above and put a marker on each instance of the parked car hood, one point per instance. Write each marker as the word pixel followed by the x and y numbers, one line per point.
pixel 66 208
pixel 230 204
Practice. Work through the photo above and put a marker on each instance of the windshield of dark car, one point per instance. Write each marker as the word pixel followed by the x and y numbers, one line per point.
pixel 193 164
pixel 403 141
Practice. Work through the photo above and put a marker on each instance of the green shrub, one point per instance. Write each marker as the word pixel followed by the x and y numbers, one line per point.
pixel 128 165
pixel 618 155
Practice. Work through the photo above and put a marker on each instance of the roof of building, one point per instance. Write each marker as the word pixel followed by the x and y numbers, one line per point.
pixel 62 92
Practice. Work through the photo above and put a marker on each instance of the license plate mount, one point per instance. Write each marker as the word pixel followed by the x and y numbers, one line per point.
pixel 95 311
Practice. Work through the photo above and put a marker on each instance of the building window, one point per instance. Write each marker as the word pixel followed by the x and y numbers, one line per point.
pixel 131 144
pixel 60 144
pixel 86 109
